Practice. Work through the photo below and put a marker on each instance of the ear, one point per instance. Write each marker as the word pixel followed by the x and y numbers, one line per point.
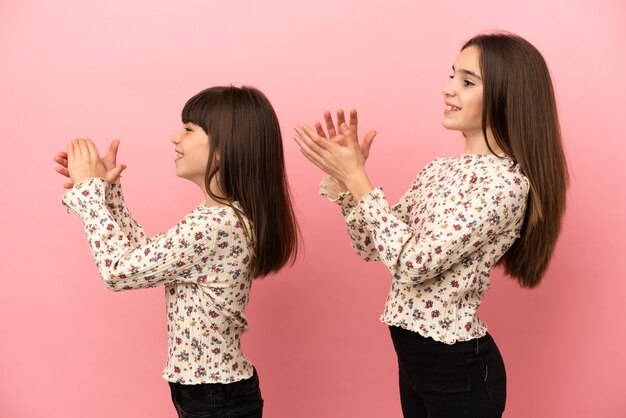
pixel 217 156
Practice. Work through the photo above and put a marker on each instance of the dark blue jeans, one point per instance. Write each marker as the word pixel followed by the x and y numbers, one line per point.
pixel 437 380
pixel 241 399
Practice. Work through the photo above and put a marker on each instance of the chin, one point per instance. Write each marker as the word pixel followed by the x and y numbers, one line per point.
pixel 449 126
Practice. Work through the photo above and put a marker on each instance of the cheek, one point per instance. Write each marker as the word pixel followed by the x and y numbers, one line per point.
pixel 478 102
pixel 476 108
pixel 478 111
pixel 201 160
pixel 201 152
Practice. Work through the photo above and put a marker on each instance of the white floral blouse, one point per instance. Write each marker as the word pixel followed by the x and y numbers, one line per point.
pixel 440 240
pixel 203 262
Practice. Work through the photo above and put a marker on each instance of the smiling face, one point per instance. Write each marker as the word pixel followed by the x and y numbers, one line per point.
pixel 463 96
pixel 192 153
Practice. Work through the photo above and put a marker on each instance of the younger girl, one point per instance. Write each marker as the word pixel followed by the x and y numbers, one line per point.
pixel 500 202
pixel 230 146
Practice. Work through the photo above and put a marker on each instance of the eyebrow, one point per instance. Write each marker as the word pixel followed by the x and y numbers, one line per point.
pixel 473 74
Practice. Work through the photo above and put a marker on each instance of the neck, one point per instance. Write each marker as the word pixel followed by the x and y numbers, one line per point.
pixel 208 200
pixel 475 143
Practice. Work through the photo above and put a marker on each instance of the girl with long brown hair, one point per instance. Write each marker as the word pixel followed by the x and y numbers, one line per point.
pixel 500 202
pixel 229 145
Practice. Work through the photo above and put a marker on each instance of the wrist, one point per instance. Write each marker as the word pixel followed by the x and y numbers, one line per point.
pixel 358 184
pixel 81 180
pixel 340 185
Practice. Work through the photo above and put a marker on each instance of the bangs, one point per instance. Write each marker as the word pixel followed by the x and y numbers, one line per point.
pixel 199 108
pixel 194 111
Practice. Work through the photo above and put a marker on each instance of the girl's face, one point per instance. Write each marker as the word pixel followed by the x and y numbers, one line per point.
pixel 463 95
pixel 192 153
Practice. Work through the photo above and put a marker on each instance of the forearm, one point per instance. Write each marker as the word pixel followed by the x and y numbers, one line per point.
pixel 358 184
pixel 414 256
pixel 119 264
pixel 122 216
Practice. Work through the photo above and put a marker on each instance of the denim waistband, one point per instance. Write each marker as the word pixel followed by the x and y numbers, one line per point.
pixel 475 344
pixel 220 387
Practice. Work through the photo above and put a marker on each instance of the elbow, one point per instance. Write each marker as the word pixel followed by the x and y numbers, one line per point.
pixel 366 253
pixel 112 287
pixel 409 278
pixel 111 282
pixel 410 274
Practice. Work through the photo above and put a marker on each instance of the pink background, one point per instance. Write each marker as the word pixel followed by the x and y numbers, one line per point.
pixel 123 69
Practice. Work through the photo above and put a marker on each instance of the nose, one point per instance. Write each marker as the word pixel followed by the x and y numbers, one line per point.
pixel 176 137
pixel 448 89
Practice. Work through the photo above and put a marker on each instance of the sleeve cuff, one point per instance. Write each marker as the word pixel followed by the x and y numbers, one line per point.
pixel 331 190
pixel 370 207
pixel 113 193
pixel 84 195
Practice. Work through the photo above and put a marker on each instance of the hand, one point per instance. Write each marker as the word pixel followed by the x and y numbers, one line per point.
pixel 61 159
pixel 110 159
pixel 344 162
pixel 352 124
pixel 109 162
pixel 83 162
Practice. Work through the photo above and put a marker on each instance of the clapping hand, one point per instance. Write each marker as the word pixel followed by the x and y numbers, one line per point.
pixel 353 124
pixel 108 162
pixel 338 153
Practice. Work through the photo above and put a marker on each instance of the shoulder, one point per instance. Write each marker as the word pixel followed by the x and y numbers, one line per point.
pixel 492 169
pixel 508 174
pixel 222 218
pixel 433 167
pixel 437 163
pixel 502 184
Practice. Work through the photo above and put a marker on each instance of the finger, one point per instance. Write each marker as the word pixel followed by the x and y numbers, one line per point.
pixel 68 185
pixel 351 140
pixel 83 148
pixel 302 138
pixel 341 117
pixel 70 151
pixel 304 147
pixel 367 143
pixel 306 131
pixel 113 174
pixel 308 152
pixel 306 143
pixel 63 171
pixel 115 144
pixel 330 126
pixel 91 147
pixel 346 131
pixel 60 160
pixel 320 130
pixel 354 122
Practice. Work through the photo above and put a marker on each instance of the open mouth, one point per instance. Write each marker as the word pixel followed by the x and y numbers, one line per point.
pixel 451 108
pixel 179 155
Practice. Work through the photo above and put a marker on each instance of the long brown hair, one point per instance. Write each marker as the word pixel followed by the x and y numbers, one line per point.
pixel 244 132
pixel 520 108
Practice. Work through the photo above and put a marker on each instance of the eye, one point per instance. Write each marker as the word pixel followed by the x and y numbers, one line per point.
pixel 468 83
pixel 188 129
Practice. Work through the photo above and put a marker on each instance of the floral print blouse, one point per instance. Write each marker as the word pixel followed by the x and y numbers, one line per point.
pixel 440 240
pixel 203 262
